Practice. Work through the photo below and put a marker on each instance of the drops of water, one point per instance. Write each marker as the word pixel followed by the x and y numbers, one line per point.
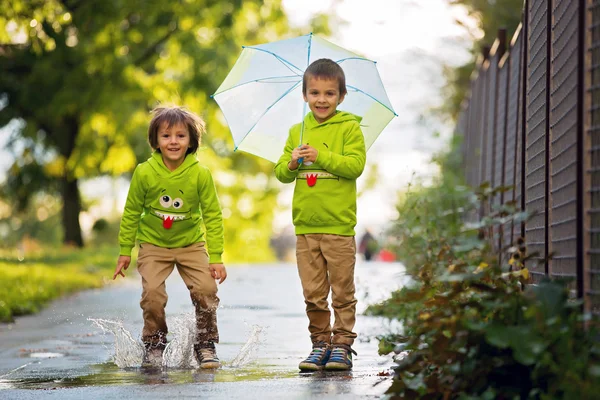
pixel 128 351
pixel 249 348
pixel 179 352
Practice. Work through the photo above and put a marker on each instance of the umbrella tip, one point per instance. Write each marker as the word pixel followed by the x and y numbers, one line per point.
pixel 212 96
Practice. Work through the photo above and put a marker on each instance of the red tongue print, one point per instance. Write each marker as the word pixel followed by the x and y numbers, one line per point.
pixel 168 222
pixel 311 179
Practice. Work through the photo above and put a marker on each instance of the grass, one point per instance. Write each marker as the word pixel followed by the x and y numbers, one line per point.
pixel 28 283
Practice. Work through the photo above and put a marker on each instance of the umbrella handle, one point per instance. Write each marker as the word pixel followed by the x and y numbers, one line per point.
pixel 301 158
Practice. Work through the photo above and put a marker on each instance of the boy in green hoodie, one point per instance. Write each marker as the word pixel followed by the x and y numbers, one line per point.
pixel 325 166
pixel 172 208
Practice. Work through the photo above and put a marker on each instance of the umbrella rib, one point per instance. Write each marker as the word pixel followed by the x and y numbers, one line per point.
pixel 368 95
pixel 355 58
pixel 285 62
pixel 267 110
pixel 259 80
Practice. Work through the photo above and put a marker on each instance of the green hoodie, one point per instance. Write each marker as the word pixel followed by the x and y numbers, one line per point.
pixel 166 208
pixel 329 205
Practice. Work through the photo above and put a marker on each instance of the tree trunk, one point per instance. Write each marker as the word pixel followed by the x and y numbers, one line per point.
pixel 65 141
pixel 70 212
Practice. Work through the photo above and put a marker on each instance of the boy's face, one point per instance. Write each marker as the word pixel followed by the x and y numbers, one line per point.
pixel 323 97
pixel 173 142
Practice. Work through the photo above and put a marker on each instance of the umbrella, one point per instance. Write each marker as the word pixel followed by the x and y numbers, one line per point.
pixel 261 97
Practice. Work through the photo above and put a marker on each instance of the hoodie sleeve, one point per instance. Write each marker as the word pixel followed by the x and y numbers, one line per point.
pixel 212 215
pixel 351 163
pixel 282 172
pixel 134 207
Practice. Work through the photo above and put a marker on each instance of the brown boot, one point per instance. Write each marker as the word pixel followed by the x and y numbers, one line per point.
pixel 206 355
pixel 153 356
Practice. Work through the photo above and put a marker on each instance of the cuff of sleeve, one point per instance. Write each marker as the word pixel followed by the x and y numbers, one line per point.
pixel 291 173
pixel 125 251
pixel 215 259
pixel 324 158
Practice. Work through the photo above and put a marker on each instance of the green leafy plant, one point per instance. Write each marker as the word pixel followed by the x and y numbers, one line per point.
pixel 474 328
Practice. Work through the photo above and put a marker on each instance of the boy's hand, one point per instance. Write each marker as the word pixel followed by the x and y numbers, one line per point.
pixel 294 164
pixel 122 264
pixel 308 153
pixel 218 271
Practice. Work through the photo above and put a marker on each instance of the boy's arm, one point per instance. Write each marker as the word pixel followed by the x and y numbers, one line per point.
pixel 351 164
pixel 282 172
pixel 134 206
pixel 213 217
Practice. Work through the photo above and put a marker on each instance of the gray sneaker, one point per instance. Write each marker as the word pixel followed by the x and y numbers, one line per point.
pixel 340 358
pixel 317 358
pixel 206 355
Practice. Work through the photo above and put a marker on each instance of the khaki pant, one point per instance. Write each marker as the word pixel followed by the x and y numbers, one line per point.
pixel 155 264
pixel 327 262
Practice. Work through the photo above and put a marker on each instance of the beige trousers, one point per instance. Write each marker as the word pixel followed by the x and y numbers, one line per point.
pixel 155 264
pixel 326 262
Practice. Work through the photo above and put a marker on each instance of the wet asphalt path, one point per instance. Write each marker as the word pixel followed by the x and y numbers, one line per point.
pixel 60 354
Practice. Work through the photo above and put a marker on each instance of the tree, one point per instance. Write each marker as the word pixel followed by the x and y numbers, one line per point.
pixel 80 77
pixel 489 16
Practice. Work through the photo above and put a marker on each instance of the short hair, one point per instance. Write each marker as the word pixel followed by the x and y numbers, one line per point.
pixel 173 115
pixel 326 69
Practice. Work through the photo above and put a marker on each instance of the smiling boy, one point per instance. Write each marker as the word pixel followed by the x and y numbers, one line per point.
pixel 173 210
pixel 325 166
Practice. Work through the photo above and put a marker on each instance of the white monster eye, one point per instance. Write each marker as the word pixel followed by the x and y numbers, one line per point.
pixel 165 201
pixel 177 203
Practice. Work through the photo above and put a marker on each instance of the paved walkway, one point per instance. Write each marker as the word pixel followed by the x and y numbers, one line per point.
pixel 61 351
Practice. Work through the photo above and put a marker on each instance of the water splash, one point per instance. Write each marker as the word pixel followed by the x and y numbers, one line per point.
pixel 128 351
pixel 248 349
pixel 179 352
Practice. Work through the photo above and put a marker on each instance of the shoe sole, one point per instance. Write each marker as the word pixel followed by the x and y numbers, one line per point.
pixel 335 366
pixel 310 367
pixel 210 365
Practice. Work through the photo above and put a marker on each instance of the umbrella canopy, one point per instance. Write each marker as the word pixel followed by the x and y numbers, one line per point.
pixel 261 97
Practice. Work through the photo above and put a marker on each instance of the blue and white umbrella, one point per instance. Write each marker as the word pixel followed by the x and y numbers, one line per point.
pixel 261 97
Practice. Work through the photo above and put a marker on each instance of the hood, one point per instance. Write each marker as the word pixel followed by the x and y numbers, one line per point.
pixel 341 116
pixel 161 169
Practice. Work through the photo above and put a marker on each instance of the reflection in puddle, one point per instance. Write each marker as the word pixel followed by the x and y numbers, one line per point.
pixel 110 374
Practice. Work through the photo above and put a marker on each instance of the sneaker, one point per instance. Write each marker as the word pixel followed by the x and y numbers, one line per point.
pixel 340 358
pixel 317 358
pixel 153 357
pixel 206 355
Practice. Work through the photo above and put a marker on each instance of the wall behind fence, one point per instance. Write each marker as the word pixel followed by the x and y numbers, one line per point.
pixel 532 122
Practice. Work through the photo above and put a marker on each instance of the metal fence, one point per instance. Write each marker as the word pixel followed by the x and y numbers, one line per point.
pixel 532 123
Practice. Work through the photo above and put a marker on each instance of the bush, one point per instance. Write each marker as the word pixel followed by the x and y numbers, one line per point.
pixel 473 327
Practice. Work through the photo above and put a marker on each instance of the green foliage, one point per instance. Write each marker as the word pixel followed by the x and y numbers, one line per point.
pixel 79 77
pixel 27 285
pixel 489 16
pixel 473 328
pixel 40 221
pixel 430 213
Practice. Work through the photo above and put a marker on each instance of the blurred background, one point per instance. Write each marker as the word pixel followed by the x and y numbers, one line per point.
pixel 78 79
